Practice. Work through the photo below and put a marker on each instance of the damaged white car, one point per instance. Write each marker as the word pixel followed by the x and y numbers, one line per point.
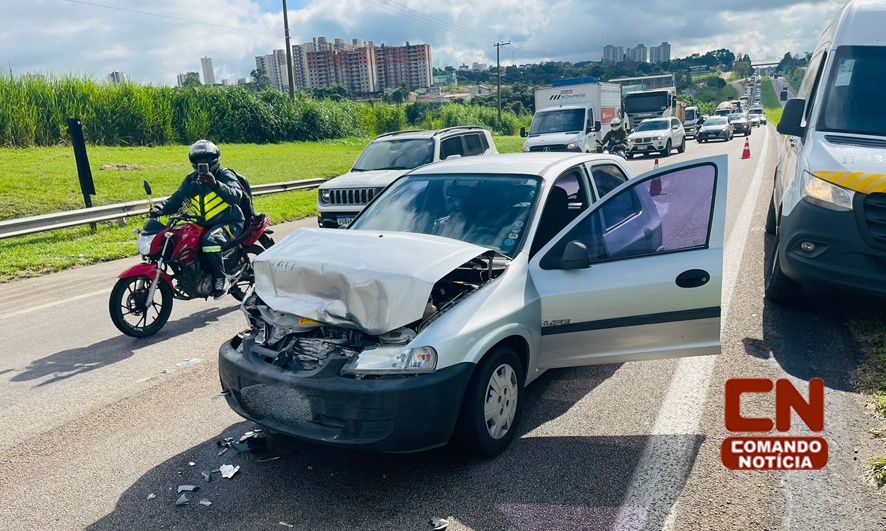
pixel 423 321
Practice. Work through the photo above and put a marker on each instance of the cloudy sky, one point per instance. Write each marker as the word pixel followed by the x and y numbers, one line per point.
pixel 154 41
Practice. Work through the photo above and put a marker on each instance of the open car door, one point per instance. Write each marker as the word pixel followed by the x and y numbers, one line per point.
pixel 638 275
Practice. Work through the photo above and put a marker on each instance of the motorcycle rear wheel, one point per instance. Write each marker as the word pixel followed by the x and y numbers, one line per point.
pixel 128 301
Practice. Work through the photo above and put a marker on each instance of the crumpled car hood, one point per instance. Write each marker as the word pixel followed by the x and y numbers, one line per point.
pixel 374 281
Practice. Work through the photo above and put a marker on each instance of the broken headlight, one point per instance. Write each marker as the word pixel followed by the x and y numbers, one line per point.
pixel 392 360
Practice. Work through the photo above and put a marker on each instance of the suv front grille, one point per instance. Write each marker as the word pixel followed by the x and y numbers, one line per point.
pixel 352 196
pixel 875 216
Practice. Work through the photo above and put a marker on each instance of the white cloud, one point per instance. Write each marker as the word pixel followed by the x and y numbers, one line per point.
pixel 65 36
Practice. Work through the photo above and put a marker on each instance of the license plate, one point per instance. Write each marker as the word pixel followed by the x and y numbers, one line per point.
pixel 342 220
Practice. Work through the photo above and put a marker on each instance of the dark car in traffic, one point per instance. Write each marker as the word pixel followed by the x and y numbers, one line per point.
pixel 715 127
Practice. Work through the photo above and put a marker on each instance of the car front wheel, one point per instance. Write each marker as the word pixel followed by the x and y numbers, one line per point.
pixel 778 287
pixel 667 150
pixel 491 410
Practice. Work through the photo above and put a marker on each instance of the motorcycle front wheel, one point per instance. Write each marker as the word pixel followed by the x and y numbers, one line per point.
pixel 130 310
pixel 247 279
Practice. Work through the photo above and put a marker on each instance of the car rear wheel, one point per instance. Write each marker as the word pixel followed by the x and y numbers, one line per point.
pixel 682 148
pixel 491 410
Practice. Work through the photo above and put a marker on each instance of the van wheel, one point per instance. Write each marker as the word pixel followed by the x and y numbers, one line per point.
pixel 491 410
pixel 770 216
pixel 779 288
pixel 667 150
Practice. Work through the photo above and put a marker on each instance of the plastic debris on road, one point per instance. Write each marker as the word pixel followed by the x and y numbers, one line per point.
pixel 439 523
pixel 191 463
pixel 206 475
pixel 187 488
pixel 206 502
pixel 183 500
pixel 228 471
pixel 191 361
pixel 286 524
pixel 266 459
pixel 151 496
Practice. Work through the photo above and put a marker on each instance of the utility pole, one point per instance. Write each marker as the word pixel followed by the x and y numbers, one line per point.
pixel 288 53
pixel 498 46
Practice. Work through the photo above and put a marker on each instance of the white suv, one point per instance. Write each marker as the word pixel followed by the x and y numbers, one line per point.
pixel 389 156
pixel 657 135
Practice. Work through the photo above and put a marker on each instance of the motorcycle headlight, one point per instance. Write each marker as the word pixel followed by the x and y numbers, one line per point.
pixel 392 360
pixel 144 243
pixel 324 196
pixel 824 194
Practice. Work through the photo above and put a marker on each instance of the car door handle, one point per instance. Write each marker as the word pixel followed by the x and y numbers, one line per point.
pixel 693 278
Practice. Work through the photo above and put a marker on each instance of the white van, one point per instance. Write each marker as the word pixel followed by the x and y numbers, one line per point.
pixel 828 208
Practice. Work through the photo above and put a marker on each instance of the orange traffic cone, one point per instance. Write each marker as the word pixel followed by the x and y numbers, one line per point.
pixel 655 184
pixel 746 154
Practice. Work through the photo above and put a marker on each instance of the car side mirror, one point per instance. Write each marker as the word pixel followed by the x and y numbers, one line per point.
pixel 523 132
pixel 597 127
pixel 575 256
pixel 792 117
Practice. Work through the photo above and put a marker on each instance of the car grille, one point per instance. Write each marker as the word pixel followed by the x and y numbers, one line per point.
pixel 875 216
pixel 353 196
pixel 552 147
pixel 646 140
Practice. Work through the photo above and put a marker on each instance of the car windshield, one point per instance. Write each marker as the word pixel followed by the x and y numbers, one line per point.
pixel 653 125
pixel 755 111
pixel 488 210
pixel 558 121
pixel 715 120
pixel 736 116
pixel 403 154
pixel 690 114
pixel 853 92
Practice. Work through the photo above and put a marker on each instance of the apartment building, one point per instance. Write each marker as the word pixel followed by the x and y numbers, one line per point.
pixel 208 71
pixel 638 54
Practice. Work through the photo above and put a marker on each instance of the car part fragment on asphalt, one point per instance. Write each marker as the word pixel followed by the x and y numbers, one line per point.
pixel 183 500
pixel 187 488
pixel 439 523
pixel 190 361
pixel 266 459
pixel 151 496
pixel 206 475
pixel 206 502
pixel 286 524
pixel 228 471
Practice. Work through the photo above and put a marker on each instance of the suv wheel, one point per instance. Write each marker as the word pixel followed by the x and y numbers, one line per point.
pixel 682 148
pixel 778 287
pixel 667 149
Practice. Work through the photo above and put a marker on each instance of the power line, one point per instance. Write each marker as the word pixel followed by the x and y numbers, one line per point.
pixel 170 17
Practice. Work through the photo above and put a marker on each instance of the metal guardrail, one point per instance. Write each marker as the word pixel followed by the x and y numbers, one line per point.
pixel 83 216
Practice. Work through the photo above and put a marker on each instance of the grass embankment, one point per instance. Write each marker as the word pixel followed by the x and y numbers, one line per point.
pixel 871 378
pixel 43 180
pixel 771 104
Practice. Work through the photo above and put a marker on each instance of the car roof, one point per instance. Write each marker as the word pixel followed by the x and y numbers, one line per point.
pixel 427 133
pixel 535 163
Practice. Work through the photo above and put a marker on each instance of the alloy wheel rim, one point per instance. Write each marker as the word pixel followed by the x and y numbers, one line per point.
pixel 501 401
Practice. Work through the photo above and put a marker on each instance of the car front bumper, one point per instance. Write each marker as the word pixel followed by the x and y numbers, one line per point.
pixel 841 258
pixel 723 135
pixel 405 414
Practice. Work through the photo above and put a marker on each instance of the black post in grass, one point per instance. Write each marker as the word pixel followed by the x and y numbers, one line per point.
pixel 87 186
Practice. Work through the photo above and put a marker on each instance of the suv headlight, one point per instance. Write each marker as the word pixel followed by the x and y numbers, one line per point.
pixel 525 149
pixel 571 145
pixel 324 196
pixel 824 194
pixel 392 360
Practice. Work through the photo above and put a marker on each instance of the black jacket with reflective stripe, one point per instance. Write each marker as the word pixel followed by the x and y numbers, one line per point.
pixel 213 207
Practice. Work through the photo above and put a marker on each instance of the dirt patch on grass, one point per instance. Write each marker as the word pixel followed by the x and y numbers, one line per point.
pixel 122 167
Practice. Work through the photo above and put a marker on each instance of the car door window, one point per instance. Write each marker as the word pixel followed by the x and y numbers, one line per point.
pixel 451 146
pixel 473 146
pixel 671 213
pixel 567 199
pixel 607 177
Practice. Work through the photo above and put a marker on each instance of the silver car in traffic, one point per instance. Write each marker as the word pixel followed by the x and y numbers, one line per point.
pixel 422 322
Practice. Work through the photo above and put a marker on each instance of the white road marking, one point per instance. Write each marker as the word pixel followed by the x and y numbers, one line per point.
pixel 666 460
pixel 54 303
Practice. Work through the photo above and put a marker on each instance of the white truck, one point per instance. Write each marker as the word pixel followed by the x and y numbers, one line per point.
pixel 656 103
pixel 572 117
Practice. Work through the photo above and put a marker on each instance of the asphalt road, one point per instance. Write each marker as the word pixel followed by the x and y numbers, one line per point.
pixel 95 423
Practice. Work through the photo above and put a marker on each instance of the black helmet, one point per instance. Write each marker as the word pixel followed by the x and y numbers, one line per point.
pixel 205 151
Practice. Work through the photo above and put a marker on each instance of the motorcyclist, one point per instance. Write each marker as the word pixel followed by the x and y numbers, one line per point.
pixel 615 138
pixel 215 197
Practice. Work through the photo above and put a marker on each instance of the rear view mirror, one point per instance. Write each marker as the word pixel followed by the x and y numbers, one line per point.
pixel 147 187
pixel 792 117
pixel 597 126
pixel 523 132
pixel 575 256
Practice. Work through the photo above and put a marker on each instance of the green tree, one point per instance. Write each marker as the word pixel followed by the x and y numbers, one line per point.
pixel 191 82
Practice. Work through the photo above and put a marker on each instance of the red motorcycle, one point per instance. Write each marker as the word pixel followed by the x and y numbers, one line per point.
pixel 173 268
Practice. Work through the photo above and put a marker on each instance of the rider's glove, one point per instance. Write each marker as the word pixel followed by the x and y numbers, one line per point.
pixel 155 212
pixel 208 179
